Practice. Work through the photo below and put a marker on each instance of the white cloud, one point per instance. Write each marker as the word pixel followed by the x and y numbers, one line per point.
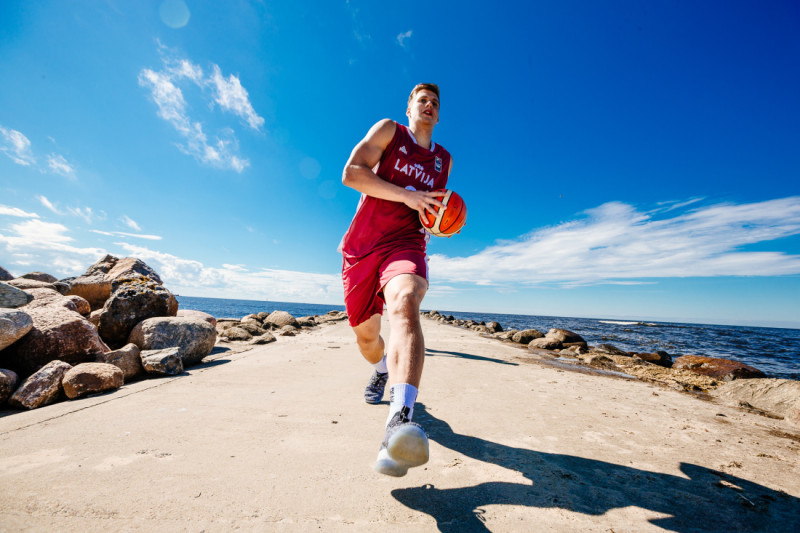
pixel 16 212
pixel 38 231
pixel 85 213
pixel 615 243
pixel 186 276
pixel 358 31
pixel 128 221
pixel 672 205
pixel 45 202
pixel 16 146
pixel 401 38
pixel 47 247
pixel 231 96
pixel 123 234
pixel 183 68
pixel 60 165
pixel 228 93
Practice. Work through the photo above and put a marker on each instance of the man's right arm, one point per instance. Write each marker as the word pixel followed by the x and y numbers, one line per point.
pixel 367 153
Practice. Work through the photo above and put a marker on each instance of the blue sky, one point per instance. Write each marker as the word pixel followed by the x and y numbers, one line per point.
pixel 620 159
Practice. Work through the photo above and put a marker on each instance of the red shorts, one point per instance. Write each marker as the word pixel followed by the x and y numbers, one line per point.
pixel 365 277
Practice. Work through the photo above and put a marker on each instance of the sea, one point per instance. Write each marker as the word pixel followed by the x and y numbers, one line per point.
pixel 774 351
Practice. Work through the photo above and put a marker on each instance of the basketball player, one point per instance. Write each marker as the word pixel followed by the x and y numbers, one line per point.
pixel 394 168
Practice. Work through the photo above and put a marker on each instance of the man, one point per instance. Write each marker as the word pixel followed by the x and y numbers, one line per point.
pixel 395 168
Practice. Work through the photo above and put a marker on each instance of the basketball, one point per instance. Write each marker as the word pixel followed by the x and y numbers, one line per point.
pixel 448 219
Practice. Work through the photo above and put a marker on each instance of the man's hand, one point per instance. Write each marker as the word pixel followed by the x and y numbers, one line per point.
pixel 422 201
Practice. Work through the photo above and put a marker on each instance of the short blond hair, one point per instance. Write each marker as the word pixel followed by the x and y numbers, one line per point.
pixel 432 87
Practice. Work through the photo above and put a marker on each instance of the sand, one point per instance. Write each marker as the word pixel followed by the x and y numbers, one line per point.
pixel 279 438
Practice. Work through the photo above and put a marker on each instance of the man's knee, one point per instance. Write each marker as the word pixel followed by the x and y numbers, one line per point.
pixel 405 294
pixel 368 332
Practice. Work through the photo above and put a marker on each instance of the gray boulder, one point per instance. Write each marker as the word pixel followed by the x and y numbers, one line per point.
pixel 573 351
pixel 191 313
pixel 13 297
pixel 14 324
pixel 306 322
pixel 565 336
pixel 331 316
pixel 266 338
pixel 41 388
pixel 287 331
pixel 280 319
pixel 660 358
pixel 526 336
pixel 96 285
pixel 494 327
pixel 507 335
pixel 40 276
pixel 81 306
pixel 62 287
pixel 91 378
pixel 128 359
pixel 132 300
pixel 5 275
pixel 8 383
pixel 166 362
pixel 610 349
pixel 24 284
pixel 194 338
pixel 543 343
pixel 252 329
pixel 599 360
pixel 44 296
pixel 93 286
pixel 236 333
pixel 57 334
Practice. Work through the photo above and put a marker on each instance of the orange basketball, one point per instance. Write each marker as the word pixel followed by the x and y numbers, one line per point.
pixel 448 219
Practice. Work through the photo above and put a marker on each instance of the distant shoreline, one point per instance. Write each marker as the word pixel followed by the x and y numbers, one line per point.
pixel 774 351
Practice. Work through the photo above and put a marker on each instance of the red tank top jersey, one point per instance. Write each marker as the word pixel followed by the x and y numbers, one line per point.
pixel 381 223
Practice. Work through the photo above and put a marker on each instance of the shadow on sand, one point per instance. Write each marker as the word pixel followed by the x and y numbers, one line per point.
pixel 437 353
pixel 703 500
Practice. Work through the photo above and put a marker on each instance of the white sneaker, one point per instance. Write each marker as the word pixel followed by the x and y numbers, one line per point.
pixel 405 445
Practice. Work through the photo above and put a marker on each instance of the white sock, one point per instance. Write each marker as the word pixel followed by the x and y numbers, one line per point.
pixel 401 395
pixel 380 366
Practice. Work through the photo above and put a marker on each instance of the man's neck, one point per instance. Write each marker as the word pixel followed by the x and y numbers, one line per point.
pixel 422 135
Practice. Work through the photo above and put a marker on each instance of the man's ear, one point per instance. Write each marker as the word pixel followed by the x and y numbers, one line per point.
pixel 408 111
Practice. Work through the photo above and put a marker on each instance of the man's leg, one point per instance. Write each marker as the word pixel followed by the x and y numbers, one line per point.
pixel 371 345
pixel 406 354
pixel 368 337
pixel 405 443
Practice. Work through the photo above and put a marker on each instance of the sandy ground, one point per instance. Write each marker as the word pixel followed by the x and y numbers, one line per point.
pixel 279 439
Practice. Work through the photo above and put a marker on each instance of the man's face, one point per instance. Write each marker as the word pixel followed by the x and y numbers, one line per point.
pixel 424 107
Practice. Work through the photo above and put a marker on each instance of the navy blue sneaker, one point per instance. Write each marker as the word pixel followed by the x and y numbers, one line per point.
pixel 377 384
pixel 405 445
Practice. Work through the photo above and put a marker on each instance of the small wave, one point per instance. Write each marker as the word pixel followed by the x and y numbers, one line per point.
pixel 623 323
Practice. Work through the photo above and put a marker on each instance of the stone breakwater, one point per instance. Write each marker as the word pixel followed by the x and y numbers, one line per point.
pixel 731 382
pixel 116 323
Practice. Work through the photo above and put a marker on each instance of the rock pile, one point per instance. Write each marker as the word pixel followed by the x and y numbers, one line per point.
pixel 84 335
pixel 687 373
pixel 261 328
pixel 66 339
